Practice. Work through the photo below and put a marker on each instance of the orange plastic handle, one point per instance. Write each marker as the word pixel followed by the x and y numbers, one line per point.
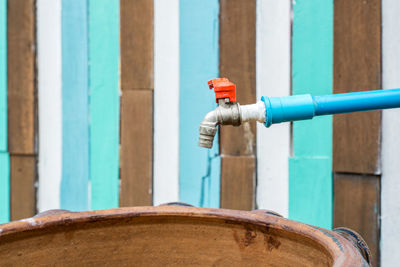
pixel 223 88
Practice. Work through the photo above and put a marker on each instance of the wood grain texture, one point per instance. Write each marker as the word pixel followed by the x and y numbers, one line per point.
pixel 357 206
pixel 237 182
pixel 137 71
pixel 3 77
pixel 21 76
pixel 238 64
pixel 23 194
pixel 136 44
pixel 172 236
pixel 136 147
pixel 357 67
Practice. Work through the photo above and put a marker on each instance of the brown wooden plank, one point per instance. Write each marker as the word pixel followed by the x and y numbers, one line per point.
pixel 136 147
pixel 357 206
pixel 238 64
pixel 137 44
pixel 357 67
pixel 21 76
pixel 23 193
pixel 237 182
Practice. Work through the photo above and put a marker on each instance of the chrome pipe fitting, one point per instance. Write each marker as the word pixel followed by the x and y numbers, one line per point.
pixel 228 113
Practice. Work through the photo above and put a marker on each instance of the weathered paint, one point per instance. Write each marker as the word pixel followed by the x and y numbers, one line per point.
pixel 310 170
pixel 166 102
pixel 199 168
pixel 273 79
pixel 4 157
pixel 75 110
pixel 103 30
pixel 49 103
pixel 390 183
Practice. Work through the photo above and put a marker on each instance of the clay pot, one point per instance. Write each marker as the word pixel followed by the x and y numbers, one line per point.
pixel 172 235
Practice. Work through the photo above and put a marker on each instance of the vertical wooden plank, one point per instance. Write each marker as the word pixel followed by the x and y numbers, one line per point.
pixel 136 151
pixel 75 110
pixel 23 193
pixel 4 157
pixel 21 76
pixel 3 76
pixel 310 172
pixel 4 187
pixel 357 67
pixel 21 55
pixel 357 206
pixel 137 32
pixel 356 137
pixel 238 63
pixel 137 35
pixel 273 79
pixel 48 14
pixel 390 184
pixel 310 190
pixel 166 102
pixel 199 168
pixel 235 195
pixel 104 102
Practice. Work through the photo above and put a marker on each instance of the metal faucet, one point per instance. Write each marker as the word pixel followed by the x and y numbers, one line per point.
pixel 272 110
pixel 228 112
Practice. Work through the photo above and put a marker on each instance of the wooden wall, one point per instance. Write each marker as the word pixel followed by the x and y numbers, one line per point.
pixel 219 38
pixel 356 137
pixel 22 108
pixel 238 63
pixel 136 102
pixel 310 167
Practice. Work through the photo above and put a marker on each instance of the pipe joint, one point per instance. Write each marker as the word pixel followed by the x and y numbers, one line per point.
pixel 228 113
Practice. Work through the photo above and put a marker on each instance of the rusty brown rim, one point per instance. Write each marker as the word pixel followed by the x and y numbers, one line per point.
pixel 339 250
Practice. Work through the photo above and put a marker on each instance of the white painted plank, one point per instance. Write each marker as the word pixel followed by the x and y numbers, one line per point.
pixel 166 101
pixel 273 79
pixel 49 94
pixel 390 232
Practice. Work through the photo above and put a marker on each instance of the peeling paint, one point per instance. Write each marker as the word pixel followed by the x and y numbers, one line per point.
pixel 248 138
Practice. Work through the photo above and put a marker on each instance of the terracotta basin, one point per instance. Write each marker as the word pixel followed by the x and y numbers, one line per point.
pixel 173 235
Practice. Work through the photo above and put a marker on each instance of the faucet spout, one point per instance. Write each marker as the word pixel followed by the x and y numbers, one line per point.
pixel 228 113
pixel 208 129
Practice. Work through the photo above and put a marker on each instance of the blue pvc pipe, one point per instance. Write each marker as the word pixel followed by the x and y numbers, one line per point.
pixel 304 107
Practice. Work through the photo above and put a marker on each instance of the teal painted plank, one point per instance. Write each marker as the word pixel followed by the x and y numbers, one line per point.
pixel 4 187
pixel 310 190
pixel 75 122
pixel 104 102
pixel 312 72
pixel 199 171
pixel 4 157
pixel 3 75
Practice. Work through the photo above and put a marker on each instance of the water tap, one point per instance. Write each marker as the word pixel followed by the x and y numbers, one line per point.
pixel 228 112
pixel 273 110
